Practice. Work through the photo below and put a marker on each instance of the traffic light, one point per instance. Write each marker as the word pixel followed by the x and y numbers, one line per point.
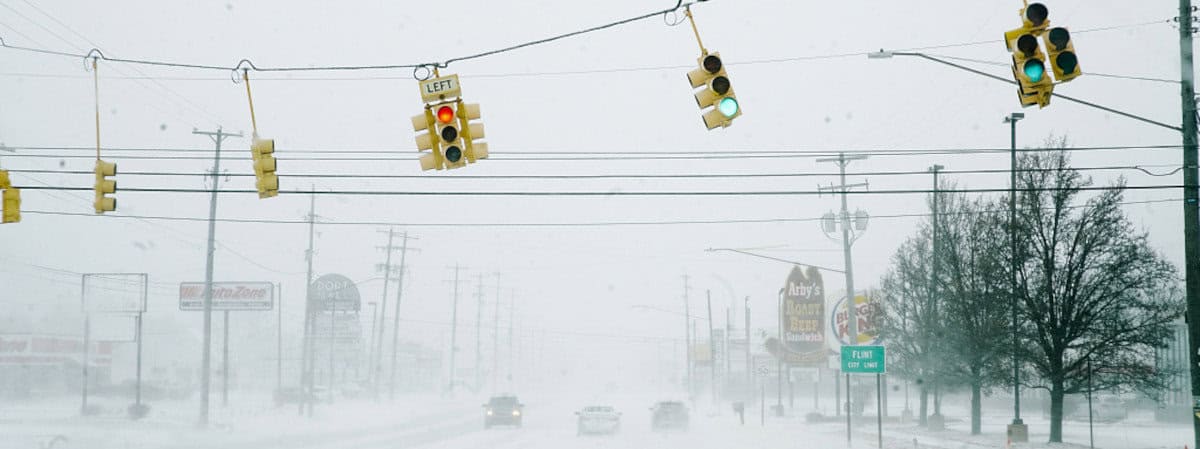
pixel 12 205
pixel 1062 54
pixel 715 92
pixel 1029 68
pixel 472 132
pixel 105 186
pixel 10 212
pixel 423 124
pixel 263 152
pixel 449 138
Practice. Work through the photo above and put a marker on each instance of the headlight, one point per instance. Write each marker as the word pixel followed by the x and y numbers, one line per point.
pixel 489 413
pixel 516 413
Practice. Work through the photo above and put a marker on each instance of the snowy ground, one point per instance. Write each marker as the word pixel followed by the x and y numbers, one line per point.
pixel 440 423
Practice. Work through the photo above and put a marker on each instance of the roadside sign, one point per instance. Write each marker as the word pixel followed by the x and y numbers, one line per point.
pixel 342 326
pixel 116 293
pixel 863 360
pixel 764 365
pixel 228 296
pixel 434 90
pixel 335 292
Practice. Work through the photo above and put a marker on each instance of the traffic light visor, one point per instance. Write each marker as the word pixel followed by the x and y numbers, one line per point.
pixel 445 114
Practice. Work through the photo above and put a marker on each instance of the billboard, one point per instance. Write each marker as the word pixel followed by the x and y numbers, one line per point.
pixel 334 292
pixel 803 311
pixel 866 313
pixel 50 350
pixel 120 293
pixel 229 296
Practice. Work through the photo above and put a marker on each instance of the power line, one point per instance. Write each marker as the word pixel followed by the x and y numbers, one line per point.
pixel 526 224
pixel 527 156
pixel 437 193
pixel 488 53
pixel 1143 168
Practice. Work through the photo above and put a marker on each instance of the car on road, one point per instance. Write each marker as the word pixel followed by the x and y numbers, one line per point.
pixel 503 410
pixel 598 419
pixel 669 415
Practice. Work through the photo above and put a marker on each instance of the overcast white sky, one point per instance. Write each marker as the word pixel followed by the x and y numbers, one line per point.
pixel 565 277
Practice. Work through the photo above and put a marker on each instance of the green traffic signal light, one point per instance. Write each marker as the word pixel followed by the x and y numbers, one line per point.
pixel 728 106
pixel 1035 70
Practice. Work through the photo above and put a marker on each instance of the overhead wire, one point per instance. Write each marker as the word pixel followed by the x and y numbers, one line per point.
pixel 579 156
pixel 1141 167
pixel 524 224
pixel 618 193
pixel 246 63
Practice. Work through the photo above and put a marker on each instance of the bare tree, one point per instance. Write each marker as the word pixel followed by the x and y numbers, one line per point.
pixel 910 323
pixel 1090 285
pixel 973 284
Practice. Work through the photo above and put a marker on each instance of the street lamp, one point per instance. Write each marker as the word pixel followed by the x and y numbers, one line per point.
pixel 1017 431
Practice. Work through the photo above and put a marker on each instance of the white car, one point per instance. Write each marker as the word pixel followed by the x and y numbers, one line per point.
pixel 598 419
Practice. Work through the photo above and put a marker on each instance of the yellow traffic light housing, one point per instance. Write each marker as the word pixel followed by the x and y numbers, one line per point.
pixel 423 125
pixel 105 186
pixel 12 205
pixel 715 92
pixel 1029 69
pixel 1062 54
pixel 10 210
pixel 449 137
pixel 266 180
pixel 472 133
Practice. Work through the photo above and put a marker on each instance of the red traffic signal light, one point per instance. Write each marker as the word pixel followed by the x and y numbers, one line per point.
pixel 445 114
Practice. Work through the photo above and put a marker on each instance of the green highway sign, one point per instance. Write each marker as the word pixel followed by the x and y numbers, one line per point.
pixel 863 360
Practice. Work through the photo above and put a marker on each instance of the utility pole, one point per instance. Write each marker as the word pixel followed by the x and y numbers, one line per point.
pixel 377 334
pixel 454 328
pixel 687 335
pixel 749 376
pixel 279 336
pixel 512 311
pixel 479 332
pixel 396 316
pixel 1191 213
pixel 712 350
pixel 1017 432
pixel 852 316
pixel 496 339
pixel 217 137
pixel 935 263
pixel 306 360
pixel 851 313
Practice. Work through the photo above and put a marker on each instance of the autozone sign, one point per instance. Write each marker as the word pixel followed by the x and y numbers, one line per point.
pixel 228 296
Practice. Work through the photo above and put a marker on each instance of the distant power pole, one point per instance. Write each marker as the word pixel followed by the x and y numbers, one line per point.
pixel 479 333
pixel 217 137
pixel 496 340
pixel 687 337
pixel 306 360
pixel 454 329
pixel 512 311
pixel 377 337
pixel 404 249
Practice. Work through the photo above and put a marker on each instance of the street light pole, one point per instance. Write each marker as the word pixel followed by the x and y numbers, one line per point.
pixel 1017 431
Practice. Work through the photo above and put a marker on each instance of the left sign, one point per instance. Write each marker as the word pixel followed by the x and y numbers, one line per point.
pixel 228 296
